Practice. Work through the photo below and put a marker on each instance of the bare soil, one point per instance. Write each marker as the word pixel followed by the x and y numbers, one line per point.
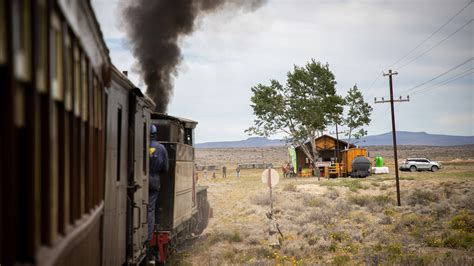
pixel 338 221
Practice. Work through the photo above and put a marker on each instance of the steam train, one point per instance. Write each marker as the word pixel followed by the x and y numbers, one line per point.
pixel 74 147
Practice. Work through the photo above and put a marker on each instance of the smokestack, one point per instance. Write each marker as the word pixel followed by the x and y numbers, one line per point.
pixel 153 29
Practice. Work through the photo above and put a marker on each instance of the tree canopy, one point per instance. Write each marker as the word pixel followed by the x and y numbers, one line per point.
pixel 358 113
pixel 302 108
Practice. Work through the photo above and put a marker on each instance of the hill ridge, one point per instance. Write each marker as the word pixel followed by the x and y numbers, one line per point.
pixel 403 138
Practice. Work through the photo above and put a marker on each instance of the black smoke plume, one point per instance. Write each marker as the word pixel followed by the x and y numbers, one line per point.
pixel 154 28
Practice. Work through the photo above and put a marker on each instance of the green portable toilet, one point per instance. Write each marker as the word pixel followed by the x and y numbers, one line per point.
pixel 378 161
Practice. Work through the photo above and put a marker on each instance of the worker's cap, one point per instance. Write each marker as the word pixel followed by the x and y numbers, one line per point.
pixel 153 129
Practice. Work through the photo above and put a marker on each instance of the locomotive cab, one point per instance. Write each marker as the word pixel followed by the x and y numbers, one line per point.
pixel 182 208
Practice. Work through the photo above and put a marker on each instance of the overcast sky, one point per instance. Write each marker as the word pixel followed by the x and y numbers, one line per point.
pixel 232 51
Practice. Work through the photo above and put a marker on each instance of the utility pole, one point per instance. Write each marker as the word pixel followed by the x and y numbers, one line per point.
pixel 336 150
pixel 394 134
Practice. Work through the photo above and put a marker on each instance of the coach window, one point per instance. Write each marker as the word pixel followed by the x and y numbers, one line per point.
pixel 95 151
pixel 90 96
pixel 69 74
pixel 41 46
pixel 98 110
pixel 101 106
pixel 75 133
pixel 56 58
pixel 145 140
pixel 119 140
pixel 85 87
pixel 77 81
pixel 3 33
pixel 22 39
pixel 65 134
pixel 54 163
pixel 96 102
pixel 66 170
pixel 93 102
pixel 98 99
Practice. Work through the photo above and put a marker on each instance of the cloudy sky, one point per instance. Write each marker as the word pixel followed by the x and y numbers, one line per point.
pixel 231 51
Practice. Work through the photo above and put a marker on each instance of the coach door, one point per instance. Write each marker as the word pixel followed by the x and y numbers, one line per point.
pixel 140 182
pixel 114 229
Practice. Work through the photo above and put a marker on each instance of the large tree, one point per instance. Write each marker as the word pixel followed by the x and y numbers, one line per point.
pixel 301 109
pixel 358 113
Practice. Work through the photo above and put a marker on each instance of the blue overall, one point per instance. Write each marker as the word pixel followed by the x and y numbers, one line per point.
pixel 158 166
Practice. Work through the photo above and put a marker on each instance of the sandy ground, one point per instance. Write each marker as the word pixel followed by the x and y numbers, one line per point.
pixel 338 221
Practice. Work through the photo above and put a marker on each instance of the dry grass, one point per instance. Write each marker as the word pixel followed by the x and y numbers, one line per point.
pixel 262 199
pixel 422 197
pixel 342 221
pixel 290 187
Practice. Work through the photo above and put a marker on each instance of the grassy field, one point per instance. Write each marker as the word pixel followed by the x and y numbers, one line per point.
pixel 340 221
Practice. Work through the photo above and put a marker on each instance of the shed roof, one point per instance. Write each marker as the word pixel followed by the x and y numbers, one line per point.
pixel 341 141
pixel 349 145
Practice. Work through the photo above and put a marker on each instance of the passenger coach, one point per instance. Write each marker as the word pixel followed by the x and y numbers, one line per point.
pixel 74 141
pixel 74 144
pixel 54 70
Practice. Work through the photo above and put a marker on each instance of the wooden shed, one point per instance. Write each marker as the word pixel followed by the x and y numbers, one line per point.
pixel 329 150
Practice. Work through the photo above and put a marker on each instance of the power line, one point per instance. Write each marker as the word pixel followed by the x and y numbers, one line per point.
pixel 373 83
pixel 424 41
pixel 432 34
pixel 433 85
pixel 445 82
pixel 463 74
pixel 440 75
pixel 434 46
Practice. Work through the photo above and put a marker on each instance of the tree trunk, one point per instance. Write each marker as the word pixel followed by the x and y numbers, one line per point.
pixel 350 134
pixel 307 152
pixel 312 155
pixel 315 159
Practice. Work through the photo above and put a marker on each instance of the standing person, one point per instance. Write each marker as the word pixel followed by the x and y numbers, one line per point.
pixel 287 168
pixel 196 175
pixel 158 167
pixel 238 171
pixel 224 171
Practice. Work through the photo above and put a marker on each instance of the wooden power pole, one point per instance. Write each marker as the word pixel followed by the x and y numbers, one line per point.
pixel 336 150
pixel 394 133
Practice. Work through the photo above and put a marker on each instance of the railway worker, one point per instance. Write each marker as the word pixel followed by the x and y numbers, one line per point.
pixel 196 175
pixel 224 171
pixel 238 171
pixel 158 166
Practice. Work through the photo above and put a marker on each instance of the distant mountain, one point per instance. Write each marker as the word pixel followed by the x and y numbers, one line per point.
pixel 252 142
pixel 415 138
pixel 403 138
